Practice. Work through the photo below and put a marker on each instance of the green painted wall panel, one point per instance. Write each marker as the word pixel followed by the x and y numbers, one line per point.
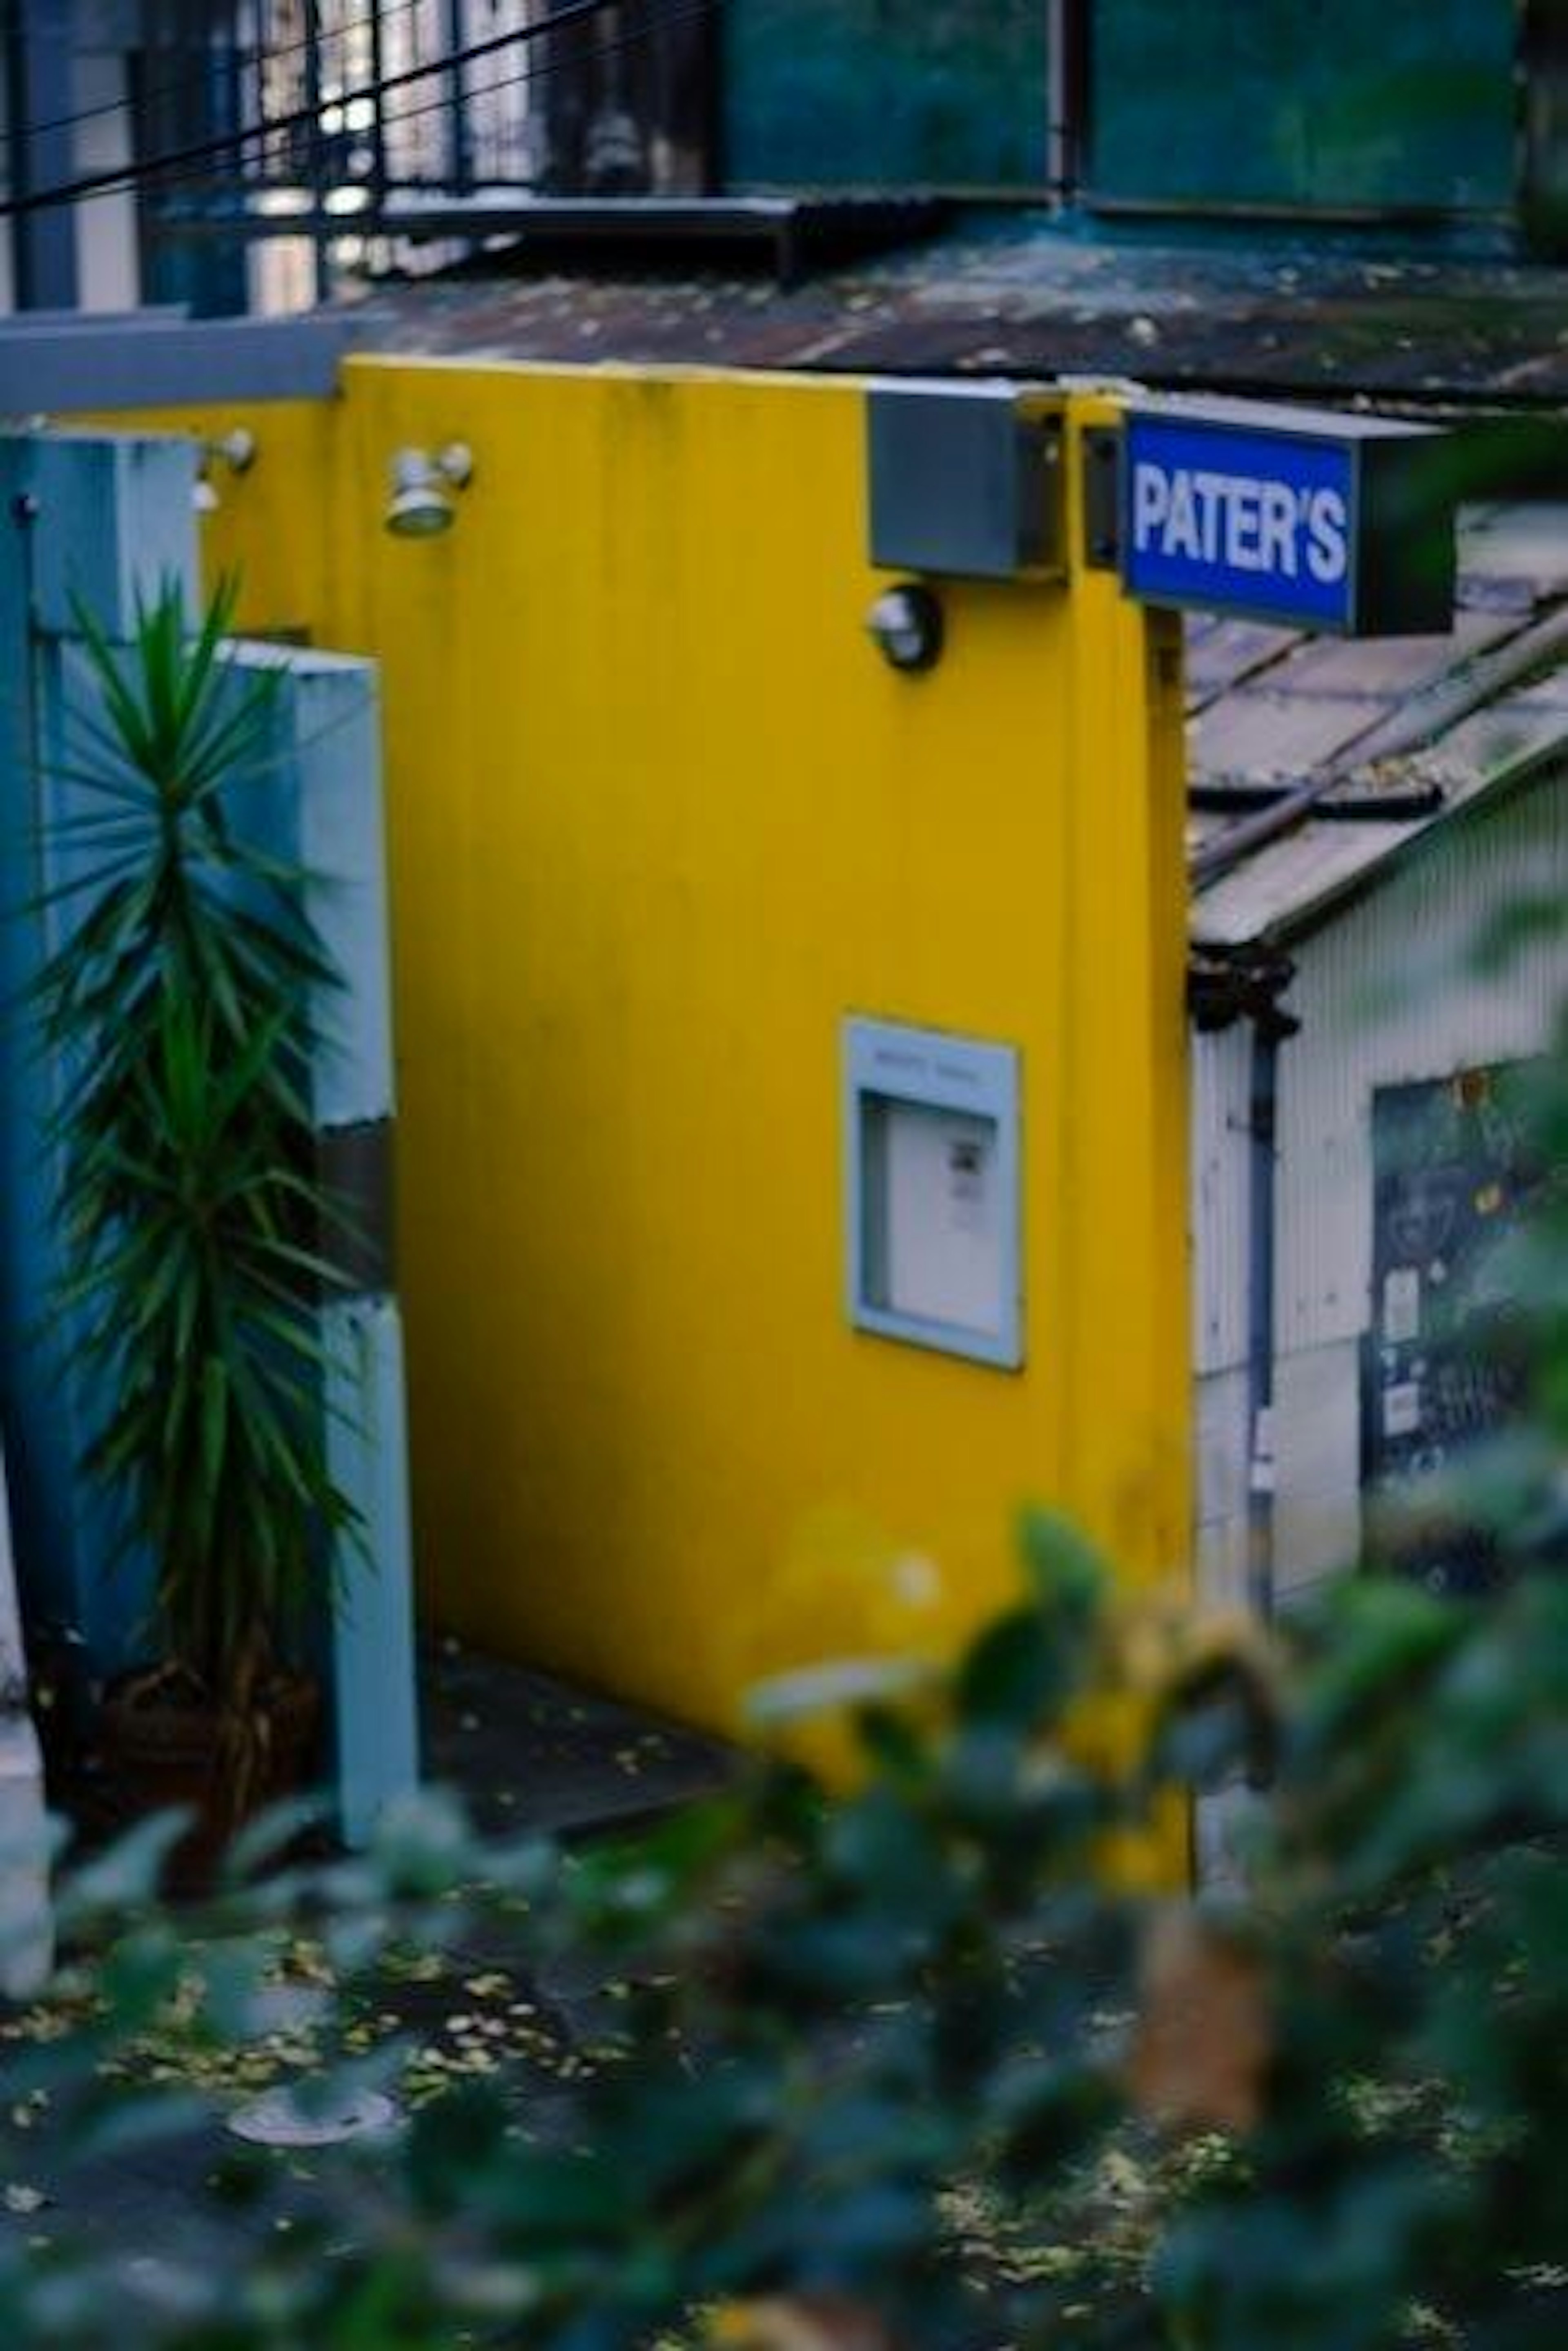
pixel 885 93
pixel 1325 104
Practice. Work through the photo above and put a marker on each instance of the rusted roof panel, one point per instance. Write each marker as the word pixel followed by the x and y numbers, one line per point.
pixel 1389 668
pixel 1304 712
pixel 1268 735
pixel 1518 556
pixel 1021 293
pixel 1220 653
pixel 1292 884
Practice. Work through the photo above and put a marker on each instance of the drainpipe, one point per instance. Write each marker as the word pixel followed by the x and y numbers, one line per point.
pixel 1263 1130
pixel 1249 985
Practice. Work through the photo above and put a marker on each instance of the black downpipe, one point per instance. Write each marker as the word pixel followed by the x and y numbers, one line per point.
pixel 1222 988
pixel 1264 1134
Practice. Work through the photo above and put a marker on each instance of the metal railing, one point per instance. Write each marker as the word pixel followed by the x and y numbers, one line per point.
pixel 617 105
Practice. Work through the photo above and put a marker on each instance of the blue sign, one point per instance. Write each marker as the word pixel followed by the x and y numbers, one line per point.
pixel 1337 523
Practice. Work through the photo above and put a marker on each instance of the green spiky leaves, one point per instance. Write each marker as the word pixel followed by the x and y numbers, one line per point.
pixel 178 1002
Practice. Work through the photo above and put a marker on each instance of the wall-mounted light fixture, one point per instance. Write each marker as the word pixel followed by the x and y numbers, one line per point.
pixel 422 505
pixel 233 453
pixel 906 624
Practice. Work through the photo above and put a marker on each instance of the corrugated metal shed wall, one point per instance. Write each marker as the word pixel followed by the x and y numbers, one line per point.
pixel 1386 992
pixel 1381 918
pixel 1220 1077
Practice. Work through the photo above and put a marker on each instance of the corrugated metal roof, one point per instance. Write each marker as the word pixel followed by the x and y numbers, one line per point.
pixel 1268 709
pixel 1027 293
pixel 1269 731
pixel 1220 653
pixel 1518 557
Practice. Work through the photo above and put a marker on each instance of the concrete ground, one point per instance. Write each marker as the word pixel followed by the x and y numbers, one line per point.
pixel 526 1753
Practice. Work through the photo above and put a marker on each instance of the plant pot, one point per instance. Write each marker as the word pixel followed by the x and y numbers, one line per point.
pixel 161 1743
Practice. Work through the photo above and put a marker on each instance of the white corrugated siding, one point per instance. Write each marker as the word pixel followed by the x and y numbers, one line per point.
pixel 1220 1077
pixel 1385 993
pixel 1388 993
pixel 1220 1414
pixel 1318 1464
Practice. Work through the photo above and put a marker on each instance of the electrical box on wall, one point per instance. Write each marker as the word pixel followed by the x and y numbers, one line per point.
pixel 933 1190
pixel 965 481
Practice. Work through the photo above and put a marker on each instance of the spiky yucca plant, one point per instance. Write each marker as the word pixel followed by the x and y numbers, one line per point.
pixel 190 1214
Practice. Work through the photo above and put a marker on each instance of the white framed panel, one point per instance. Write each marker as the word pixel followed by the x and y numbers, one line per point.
pixel 932 1243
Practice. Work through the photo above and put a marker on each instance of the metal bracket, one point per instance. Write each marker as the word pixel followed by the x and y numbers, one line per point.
pixel 354 1166
pixel 1245 984
pixel 1102 488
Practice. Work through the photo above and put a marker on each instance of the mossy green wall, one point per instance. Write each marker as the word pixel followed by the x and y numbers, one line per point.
pixel 885 93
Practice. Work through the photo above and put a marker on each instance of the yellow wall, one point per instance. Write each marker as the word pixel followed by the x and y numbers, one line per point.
pixel 660 817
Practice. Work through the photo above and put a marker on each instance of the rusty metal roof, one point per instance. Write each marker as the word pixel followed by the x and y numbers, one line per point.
pixel 1269 709
pixel 1021 292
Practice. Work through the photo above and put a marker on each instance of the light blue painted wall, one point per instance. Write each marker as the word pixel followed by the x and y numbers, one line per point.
pixel 105 519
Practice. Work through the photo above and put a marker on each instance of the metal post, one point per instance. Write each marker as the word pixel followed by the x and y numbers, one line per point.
pixel 567 95
pixel 39 93
pixel 459 143
pixel 1067 96
pixel 377 123
pixel 1271 1024
pixel 1263 1109
pixel 317 171
pixel 1544 194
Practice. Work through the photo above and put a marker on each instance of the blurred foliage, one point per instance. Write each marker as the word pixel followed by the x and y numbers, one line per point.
pixel 904 2065
pixel 896 2066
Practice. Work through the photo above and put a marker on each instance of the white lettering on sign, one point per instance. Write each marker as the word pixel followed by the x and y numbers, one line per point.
pixel 1241 521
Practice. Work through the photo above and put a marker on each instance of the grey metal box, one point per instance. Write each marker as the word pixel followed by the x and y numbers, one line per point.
pixel 964 480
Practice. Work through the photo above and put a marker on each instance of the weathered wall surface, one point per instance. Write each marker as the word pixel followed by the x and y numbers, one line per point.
pixel 661 818
pixel 886 93
pixel 1304 105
